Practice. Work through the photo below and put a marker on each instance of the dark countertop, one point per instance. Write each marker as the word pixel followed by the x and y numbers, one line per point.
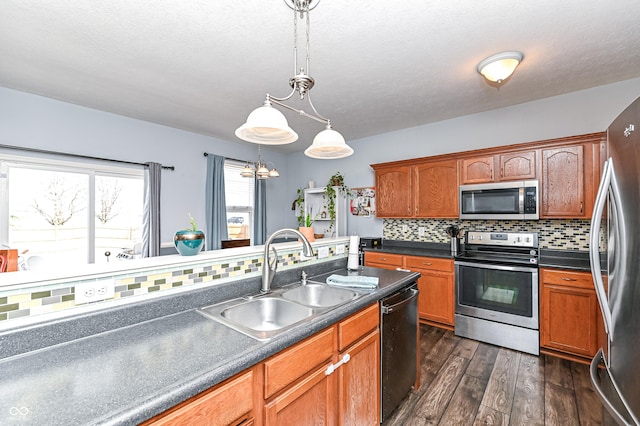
pixel 129 374
pixel 565 259
pixel 413 248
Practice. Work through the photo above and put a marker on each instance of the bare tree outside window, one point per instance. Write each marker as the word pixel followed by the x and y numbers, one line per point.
pixel 60 201
pixel 108 191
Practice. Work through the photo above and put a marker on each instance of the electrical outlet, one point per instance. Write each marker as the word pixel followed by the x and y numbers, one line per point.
pixel 93 291
pixel 421 231
pixel 339 248
pixel 323 252
pixel 405 228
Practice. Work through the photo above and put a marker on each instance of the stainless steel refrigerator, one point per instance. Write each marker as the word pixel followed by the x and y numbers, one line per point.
pixel 615 265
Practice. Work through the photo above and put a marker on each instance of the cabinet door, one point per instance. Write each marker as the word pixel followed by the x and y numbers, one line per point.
pixel 228 403
pixel 563 182
pixel 394 196
pixel 359 383
pixel 568 313
pixel 517 165
pixel 312 401
pixel 476 170
pixel 436 298
pixel 436 189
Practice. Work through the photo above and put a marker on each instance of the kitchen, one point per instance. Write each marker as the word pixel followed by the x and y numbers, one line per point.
pixel 583 111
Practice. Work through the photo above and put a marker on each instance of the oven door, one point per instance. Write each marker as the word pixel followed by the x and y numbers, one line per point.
pixel 502 293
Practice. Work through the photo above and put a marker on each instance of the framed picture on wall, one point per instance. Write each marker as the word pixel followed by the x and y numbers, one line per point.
pixel 363 201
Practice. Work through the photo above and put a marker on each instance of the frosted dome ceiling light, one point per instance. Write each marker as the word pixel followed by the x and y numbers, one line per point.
pixel 499 67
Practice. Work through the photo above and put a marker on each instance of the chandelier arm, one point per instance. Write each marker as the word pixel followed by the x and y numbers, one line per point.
pixel 326 120
pixel 286 98
pixel 319 118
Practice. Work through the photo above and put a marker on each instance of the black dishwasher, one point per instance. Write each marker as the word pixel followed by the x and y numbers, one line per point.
pixel 398 346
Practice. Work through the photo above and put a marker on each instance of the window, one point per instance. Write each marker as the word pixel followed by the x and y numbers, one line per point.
pixel 239 198
pixel 67 213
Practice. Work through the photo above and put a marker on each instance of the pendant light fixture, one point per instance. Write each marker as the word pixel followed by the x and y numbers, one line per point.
pixel 497 68
pixel 259 169
pixel 266 125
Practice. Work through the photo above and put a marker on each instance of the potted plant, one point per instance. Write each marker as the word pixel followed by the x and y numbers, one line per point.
pixel 334 186
pixel 189 241
pixel 306 228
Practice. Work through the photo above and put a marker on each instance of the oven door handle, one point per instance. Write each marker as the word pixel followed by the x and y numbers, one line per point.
pixel 498 267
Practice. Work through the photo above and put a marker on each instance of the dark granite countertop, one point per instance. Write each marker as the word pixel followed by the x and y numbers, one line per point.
pixel 129 374
pixel 414 248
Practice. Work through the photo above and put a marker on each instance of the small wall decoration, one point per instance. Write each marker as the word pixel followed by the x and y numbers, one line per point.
pixel 363 201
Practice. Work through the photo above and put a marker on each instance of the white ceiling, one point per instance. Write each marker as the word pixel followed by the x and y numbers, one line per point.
pixel 379 65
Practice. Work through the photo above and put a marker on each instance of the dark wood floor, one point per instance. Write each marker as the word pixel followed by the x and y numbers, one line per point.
pixel 464 382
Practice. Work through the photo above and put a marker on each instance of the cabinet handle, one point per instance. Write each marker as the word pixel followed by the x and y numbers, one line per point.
pixel 581 207
pixel 403 270
pixel 567 279
pixel 383 258
pixel 427 263
pixel 333 367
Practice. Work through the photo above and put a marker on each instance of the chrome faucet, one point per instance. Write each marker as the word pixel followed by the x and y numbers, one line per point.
pixel 268 269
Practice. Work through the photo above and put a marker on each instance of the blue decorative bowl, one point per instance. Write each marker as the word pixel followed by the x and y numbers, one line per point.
pixel 188 243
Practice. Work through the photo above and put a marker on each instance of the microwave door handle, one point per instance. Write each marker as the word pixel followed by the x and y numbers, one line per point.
pixel 594 244
pixel 521 200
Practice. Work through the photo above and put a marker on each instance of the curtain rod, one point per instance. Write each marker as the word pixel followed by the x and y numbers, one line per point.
pixel 206 154
pixel 87 157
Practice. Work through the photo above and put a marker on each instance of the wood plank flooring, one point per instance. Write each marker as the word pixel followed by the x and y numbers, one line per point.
pixel 465 382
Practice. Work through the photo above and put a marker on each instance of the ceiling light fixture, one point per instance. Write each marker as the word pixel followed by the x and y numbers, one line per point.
pixel 266 125
pixel 499 67
pixel 259 168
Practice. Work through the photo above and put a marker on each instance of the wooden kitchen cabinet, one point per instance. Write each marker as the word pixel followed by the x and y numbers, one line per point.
pixel 436 189
pixel 425 189
pixel 383 260
pixel 300 390
pixel 563 192
pixel 506 166
pixel 570 320
pixel 436 300
pixel 229 403
pixel 394 196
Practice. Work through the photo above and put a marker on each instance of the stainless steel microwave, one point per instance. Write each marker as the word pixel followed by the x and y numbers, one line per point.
pixel 503 200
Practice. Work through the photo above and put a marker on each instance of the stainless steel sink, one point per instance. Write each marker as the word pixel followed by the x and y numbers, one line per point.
pixel 260 318
pixel 319 295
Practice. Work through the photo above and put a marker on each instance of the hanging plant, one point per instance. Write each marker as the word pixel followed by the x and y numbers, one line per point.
pixel 298 207
pixel 335 185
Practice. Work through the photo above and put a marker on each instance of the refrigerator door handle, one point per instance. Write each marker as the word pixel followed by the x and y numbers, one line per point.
pixel 594 244
pixel 595 380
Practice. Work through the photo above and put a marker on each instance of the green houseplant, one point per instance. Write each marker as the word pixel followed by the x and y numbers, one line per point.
pixel 335 185
pixel 189 241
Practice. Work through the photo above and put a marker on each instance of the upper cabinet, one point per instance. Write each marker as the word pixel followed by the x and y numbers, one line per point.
pixel 425 189
pixel 394 197
pixel 436 189
pixel 519 165
pixel 568 170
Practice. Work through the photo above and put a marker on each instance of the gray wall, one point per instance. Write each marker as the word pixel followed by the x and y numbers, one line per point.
pixel 586 111
pixel 37 122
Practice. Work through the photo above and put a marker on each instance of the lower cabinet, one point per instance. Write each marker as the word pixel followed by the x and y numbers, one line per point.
pixel 570 322
pixel 330 378
pixel 436 301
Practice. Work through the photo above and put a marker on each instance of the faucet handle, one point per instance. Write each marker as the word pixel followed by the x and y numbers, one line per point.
pixel 304 278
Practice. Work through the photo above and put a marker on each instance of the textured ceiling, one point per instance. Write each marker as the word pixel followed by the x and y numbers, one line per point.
pixel 379 65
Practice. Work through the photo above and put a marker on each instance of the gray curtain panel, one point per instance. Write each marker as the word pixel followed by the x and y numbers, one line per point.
pixel 216 206
pixel 151 213
pixel 259 211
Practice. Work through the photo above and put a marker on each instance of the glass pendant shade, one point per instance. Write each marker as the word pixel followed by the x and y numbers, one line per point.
pixel 274 173
pixel 266 125
pixel 498 68
pixel 328 144
pixel 247 171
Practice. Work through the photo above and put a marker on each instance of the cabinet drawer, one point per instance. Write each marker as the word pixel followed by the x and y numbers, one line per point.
pixel 567 278
pixel 384 258
pixel 430 263
pixel 291 364
pixel 222 405
pixel 357 325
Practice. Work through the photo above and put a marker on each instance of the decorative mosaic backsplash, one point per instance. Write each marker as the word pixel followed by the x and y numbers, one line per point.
pixel 553 234
pixel 60 296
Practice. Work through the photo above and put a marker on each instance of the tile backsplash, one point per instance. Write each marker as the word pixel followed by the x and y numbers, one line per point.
pixel 554 234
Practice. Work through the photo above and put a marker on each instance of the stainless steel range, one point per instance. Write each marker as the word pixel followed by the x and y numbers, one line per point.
pixel 497 289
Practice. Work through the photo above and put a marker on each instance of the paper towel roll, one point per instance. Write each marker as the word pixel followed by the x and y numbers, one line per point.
pixel 353 261
pixel 354 244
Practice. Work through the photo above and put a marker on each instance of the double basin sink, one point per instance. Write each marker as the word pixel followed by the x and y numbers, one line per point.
pixel 265 316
